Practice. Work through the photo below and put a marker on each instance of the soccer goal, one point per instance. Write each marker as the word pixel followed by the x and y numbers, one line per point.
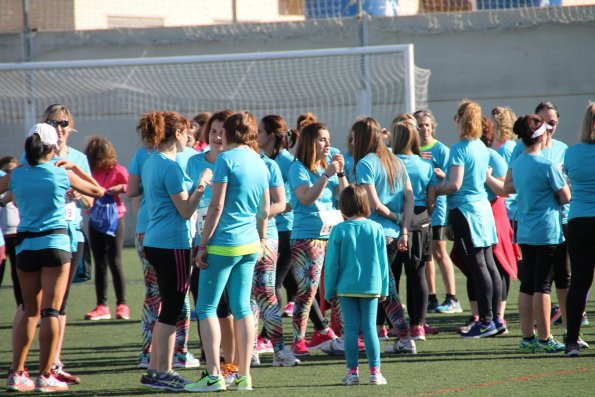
pixel 336 84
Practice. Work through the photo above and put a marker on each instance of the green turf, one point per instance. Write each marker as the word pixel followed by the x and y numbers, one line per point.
pixel 104 355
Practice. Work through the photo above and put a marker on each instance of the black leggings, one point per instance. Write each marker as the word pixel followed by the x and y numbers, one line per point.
pixel 107 253
pixel 74 261
pixel 480 262
pixel 581 248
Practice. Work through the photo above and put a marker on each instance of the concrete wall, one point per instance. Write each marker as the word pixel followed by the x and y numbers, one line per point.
pixel 513 60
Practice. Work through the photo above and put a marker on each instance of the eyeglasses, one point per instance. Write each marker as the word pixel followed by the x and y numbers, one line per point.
pixel 55 123
pixel 553 123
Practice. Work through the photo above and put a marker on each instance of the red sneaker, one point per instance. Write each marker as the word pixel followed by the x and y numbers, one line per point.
pixel 430 330
pixel 264 346
pixel 101 312
pixel 122 312
pixel 418 332
pixel 63 376
pixel 299 348
pixel 360 345
pixel 288 310
pixel 318 340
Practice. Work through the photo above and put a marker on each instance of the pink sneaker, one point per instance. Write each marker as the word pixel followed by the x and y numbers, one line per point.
pixel 418 332
pixel 19 381
pixel 288 310
pixel 299 348
pixel 264 346
pixel 360 345
pixel 430 330
pixel 122 312
pixel 101 312
pixel 318 340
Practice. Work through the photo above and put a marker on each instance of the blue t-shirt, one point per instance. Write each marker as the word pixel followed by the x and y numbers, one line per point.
pixel 39 191
pixel 196 165
pixel 246 177
pixel 579 164
pixel 555 154
pixel 369 171
pixel 499 169
pixel 421 175
pixel 284 160
pixel 163 177
pixel 473 156
pixel 308 219
pixel 185 155
pixel 440 155
pixel 536 181
pixel 348 167
pixel 275 180
pixel 505 150
pixel 136 168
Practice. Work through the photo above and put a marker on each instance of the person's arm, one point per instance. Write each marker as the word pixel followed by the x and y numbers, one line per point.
pixel 453 183
pixel 120 183
pixel 279 201
pixel 4 183
pixel 496 184
pixel 218 193
pixel 187 204
pixel 408 202
pixel 430 198
pixel 509 183
pixel 134 188
pixel 262 219
pixel 564 195
pixel 377 206
pixel 84 187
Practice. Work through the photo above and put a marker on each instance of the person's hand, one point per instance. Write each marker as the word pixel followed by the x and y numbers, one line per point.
pixel 112 191
pixel 201 257
pixel 381 299
pixel 69 165
pixel 340 160
pixel 73 195
pixel 206 177
pixel 439 173
pixel 403 242
pixel 332 168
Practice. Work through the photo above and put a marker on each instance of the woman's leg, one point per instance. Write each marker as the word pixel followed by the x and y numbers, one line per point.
pixel 114 259
pixel 100 249
pixel 350 307
pixel 392 304
pixel 368 307
pixel 152 300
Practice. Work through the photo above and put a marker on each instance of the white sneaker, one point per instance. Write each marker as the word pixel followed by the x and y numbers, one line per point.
pixel 402 346
pixel 19 381
pixel 185 360
pixel 377 379
pixel 350 379
pixel 254 360
pixel 336 347
pixel 285 358
pixel 49 384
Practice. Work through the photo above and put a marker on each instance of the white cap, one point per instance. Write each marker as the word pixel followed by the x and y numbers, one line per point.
pixel 46 132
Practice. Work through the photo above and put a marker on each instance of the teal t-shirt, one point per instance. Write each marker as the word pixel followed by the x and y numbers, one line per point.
pixel 136 168
pixel 348 167
pixel 311 221
pixel 275 180
pixel 163 177
pixel 505 150
pixel 284 160
pixel 440 155
pixel 473 156
pixel 196 165
pixel 246 177
pixel 369 171
pixel 421 175
pixel 39 191
pixel 499 169
pixel 536 181
pixel 579 164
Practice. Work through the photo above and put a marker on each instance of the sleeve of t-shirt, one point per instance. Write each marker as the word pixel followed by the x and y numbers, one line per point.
pixel 498 164
pixel 364 173
pixel 174 179
pixel 457 156
pixel 444 157
pixel 298 175
pixel 275 177
pixel 556 178
pixel 222 170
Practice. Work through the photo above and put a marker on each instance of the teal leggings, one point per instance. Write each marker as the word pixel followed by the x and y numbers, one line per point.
pixel 360 314
pixel 234 271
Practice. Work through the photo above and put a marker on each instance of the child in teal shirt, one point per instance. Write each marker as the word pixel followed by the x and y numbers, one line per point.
pixel 359 277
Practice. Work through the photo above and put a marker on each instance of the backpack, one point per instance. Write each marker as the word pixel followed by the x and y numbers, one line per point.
pixel 103 215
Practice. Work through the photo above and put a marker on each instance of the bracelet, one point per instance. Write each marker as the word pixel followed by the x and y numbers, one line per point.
pixel 340 174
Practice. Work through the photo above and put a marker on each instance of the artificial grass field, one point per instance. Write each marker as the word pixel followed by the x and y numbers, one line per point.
pixel 104 355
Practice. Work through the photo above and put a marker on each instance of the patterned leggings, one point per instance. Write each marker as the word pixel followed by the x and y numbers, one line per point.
pixel 392 305
pixel 152 305
pixel 308 260
pixel 264 299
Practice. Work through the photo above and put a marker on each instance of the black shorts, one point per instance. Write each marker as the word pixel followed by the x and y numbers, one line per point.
pixel 32 261
pixel 538 267
pixel 439 233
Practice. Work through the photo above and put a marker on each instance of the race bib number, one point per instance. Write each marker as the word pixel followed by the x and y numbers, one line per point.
pixel 329 219
pixel 70 210
pixel 201 217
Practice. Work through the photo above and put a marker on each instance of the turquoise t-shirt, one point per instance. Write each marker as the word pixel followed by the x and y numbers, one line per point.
pixel 196 165
pixel 39 191
pixel 421 175
pixel 309 220
pixel 185 155
pixel 284 160
pixel 555 154
pixel 348 167
pixel 499 169
pixel 163 177
pixel 505 150
pixel 246 177
pixel 275 180
pixel 351 270
pixel 536 181
pixel 473 156
pixel 136 168
pixel 440 155
pixel 369 171
pixel 579 164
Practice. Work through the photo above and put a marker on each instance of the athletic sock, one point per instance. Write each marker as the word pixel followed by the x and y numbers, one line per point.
pixel 432 298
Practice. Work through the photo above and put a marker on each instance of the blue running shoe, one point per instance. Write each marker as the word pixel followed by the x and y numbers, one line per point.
pixel 170 381
pixel 480 330
pixel 432 305
pixel 527 345
pixel 549 346
pixel 449 306
pixel 148 379
pixel 500 324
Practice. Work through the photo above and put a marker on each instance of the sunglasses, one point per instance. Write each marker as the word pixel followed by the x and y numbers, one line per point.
pixel 55 123
pixel 552 123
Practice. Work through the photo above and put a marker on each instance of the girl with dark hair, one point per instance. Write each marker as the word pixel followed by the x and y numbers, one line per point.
pixel 43 252
pixel 167 238
pixel 107 248
pixel 540 188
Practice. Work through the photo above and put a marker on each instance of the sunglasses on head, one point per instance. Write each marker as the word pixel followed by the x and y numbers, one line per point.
pixel 55 123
